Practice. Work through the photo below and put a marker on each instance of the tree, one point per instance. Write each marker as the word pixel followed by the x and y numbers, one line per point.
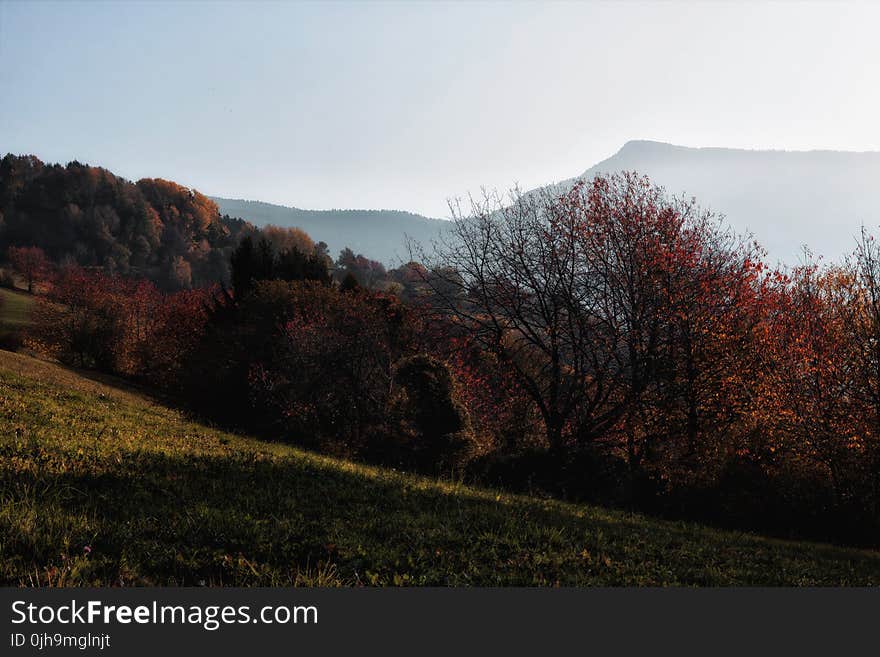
pixel 684 292
pixel 810 402
pixel 326 370
pixel 81 321
pixel 180 273
pixel 287 239
pixel 368 273
pixel 243 264
pixel 250 263
pixel 863 321
pixel 124 326
pixel 863 324
pixel 432 403
pixel 606 302
pixel 349 283
pixel 30 262
pixel 512 274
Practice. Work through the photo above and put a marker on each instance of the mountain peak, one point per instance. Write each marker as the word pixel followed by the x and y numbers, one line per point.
pixel 645 145
pixel 786 198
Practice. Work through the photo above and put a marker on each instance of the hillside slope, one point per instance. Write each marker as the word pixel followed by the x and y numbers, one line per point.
pixel 378 234
pixel 102 485
pixel 15 309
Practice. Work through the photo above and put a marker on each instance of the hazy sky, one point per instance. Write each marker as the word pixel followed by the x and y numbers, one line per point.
pixel 402 105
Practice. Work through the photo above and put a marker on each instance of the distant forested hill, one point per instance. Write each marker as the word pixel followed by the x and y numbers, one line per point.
pixel 379 234
pixel 86 215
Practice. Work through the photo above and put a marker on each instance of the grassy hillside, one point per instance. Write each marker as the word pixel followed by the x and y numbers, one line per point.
pixel 100 484
pixel 15 309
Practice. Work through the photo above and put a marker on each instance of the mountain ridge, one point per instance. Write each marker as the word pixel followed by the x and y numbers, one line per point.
pixel 787 199
pixel 383 238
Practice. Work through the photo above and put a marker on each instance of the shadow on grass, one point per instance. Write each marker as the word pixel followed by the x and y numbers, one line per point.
pixel 252 518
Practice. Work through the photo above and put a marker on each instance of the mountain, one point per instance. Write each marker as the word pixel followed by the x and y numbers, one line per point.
pixel 785 198
pixel 378 234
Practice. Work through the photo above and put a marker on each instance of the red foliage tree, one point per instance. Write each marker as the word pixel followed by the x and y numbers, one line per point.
pixel 616 308
pixel 125 326
pixel 813 409
pixel 31 263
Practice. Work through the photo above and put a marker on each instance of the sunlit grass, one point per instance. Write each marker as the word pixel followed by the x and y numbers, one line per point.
pixel 101 484
pixel 15 309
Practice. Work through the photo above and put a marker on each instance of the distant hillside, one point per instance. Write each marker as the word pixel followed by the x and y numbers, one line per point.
pixel 378 234
pixel 786 198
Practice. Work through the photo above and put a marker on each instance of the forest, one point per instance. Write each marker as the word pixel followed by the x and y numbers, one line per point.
pixel 86 216
pixel 611 344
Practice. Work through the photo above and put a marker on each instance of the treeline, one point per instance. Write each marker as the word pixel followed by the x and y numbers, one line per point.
pixel 610 344
pixel 54 215
pixel 293 355
pixel 84 215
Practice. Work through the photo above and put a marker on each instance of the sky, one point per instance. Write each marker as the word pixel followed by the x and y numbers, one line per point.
pixel 406 105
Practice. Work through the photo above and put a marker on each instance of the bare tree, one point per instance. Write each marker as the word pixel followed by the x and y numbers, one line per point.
pixel 863 323
pixel 863 318
pixel 606 302
pixel 514 274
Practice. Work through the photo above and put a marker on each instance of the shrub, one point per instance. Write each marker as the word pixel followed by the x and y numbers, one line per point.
pixel 11 340
pixel 7 280
pixel 429 405
pixel 118 325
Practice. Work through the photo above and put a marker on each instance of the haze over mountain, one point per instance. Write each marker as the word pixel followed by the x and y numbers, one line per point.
pixel 378 234
pixel 787 199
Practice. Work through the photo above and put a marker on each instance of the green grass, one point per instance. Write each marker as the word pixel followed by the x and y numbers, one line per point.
pixel 102 485
pixel 15 309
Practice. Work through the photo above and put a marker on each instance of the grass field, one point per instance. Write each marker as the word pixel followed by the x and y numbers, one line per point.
pixel 102 485
pixel 15 309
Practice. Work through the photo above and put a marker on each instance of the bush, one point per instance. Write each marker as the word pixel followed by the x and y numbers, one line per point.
pixel 80 322
pixel 7 280
pixel 11 340
pixel 430 409
pixel 122 326
pixel 318 362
